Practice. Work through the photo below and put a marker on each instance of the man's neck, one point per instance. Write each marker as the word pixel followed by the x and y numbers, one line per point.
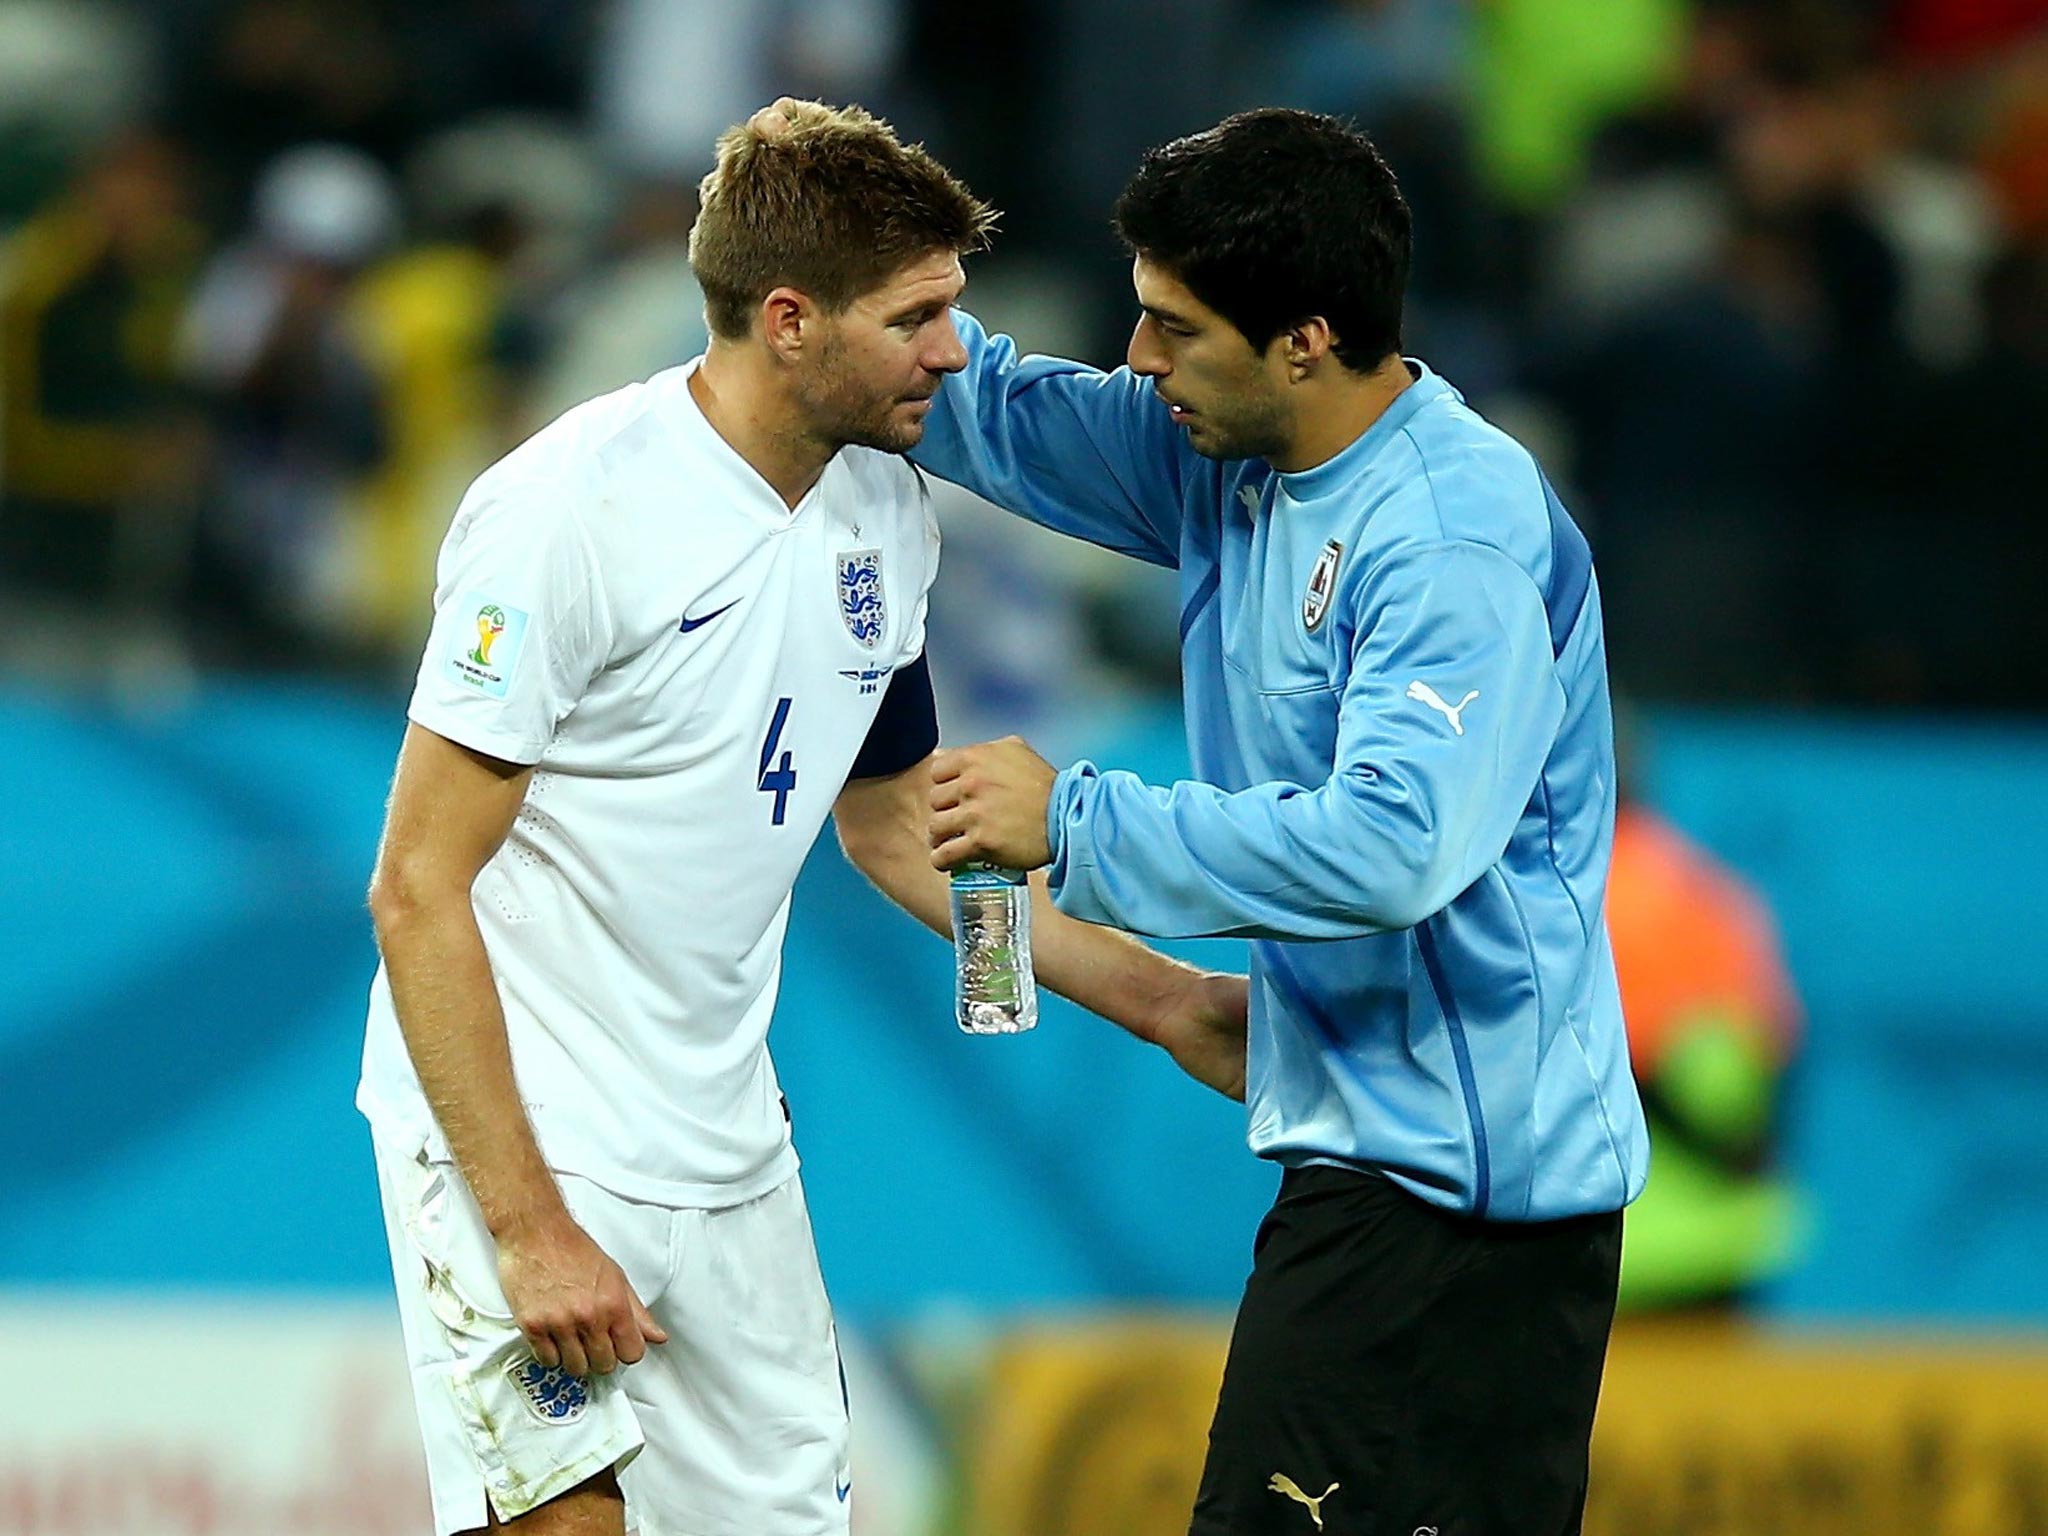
pixel 1344 409
pixel 747 409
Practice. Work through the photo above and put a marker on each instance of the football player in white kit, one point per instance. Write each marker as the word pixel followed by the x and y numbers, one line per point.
pixel 672 632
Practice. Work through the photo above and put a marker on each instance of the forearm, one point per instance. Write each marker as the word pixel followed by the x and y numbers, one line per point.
pixel 454 1026
pixel 1271 862
pixel 1109 973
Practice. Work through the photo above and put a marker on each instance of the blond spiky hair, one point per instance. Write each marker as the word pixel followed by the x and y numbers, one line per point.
pixel 823 199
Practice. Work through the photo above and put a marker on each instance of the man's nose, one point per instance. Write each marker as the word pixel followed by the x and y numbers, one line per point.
pixel 950 356
pixel 1146 357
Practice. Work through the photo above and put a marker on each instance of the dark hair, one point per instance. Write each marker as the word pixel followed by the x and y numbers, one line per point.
pixel 1274 216
pixel 834 204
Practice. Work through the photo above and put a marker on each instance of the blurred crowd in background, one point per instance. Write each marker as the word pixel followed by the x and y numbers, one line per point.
pixel 1765 282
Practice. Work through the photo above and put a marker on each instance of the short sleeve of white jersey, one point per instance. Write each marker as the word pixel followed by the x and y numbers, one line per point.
pixel 913 640
pixel 521 623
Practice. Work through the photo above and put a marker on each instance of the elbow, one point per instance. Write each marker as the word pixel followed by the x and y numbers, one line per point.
pixel 857 841
pixel 400 894
pixel 1368 852
pixel 1403 907
pixel 869 848
pixel 1413 893
pixel 881 826
pixel 388 903
pixel 1402 872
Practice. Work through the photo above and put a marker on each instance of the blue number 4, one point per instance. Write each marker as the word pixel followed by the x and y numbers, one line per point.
pixel 782 778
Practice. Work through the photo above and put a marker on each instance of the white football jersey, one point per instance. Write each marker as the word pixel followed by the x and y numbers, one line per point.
pixel 693 667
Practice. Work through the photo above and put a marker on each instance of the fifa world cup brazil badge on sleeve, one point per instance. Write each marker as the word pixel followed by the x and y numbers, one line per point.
pixel 994 991
pixel 483 651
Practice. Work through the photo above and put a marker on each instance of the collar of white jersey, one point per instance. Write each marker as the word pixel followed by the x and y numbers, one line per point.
pixel 1428 388
pixel 761 500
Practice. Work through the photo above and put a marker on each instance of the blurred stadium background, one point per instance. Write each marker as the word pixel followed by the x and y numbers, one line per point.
pixel 1765 283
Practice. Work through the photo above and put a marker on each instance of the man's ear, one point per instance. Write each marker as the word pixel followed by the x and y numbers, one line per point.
pixel 788 322
pixel 1305 344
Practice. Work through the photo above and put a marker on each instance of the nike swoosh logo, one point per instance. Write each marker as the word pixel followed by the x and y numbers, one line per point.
pixel 689 623
pixel 842 1489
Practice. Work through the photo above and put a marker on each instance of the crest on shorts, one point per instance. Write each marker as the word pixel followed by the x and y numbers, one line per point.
pixel 1322 581
pixel 552 1395
pixel 860 595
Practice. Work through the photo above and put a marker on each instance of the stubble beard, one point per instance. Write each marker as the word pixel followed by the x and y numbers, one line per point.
pixel 848 414
pixel 1250 429
pixel 882 432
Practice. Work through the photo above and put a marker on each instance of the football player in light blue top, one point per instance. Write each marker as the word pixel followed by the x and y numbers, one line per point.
pixel 1397 708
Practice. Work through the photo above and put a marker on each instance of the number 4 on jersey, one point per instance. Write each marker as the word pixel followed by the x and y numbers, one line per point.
pixel 781 779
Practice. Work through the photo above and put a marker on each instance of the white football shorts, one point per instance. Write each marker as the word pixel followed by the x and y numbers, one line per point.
pixel 735 1427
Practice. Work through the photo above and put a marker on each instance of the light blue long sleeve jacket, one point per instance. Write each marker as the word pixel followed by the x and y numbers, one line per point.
pixel 1396 698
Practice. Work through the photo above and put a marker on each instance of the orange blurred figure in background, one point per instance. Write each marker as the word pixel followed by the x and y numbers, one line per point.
pixel 1713 1024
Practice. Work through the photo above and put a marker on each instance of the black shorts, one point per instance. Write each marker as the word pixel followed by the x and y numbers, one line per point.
pixel 1397 1370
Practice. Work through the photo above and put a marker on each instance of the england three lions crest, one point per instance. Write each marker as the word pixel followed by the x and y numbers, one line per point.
pixel 860 595
pixel 550 1393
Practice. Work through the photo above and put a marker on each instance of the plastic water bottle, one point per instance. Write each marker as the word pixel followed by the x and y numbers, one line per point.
pixel 994 992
